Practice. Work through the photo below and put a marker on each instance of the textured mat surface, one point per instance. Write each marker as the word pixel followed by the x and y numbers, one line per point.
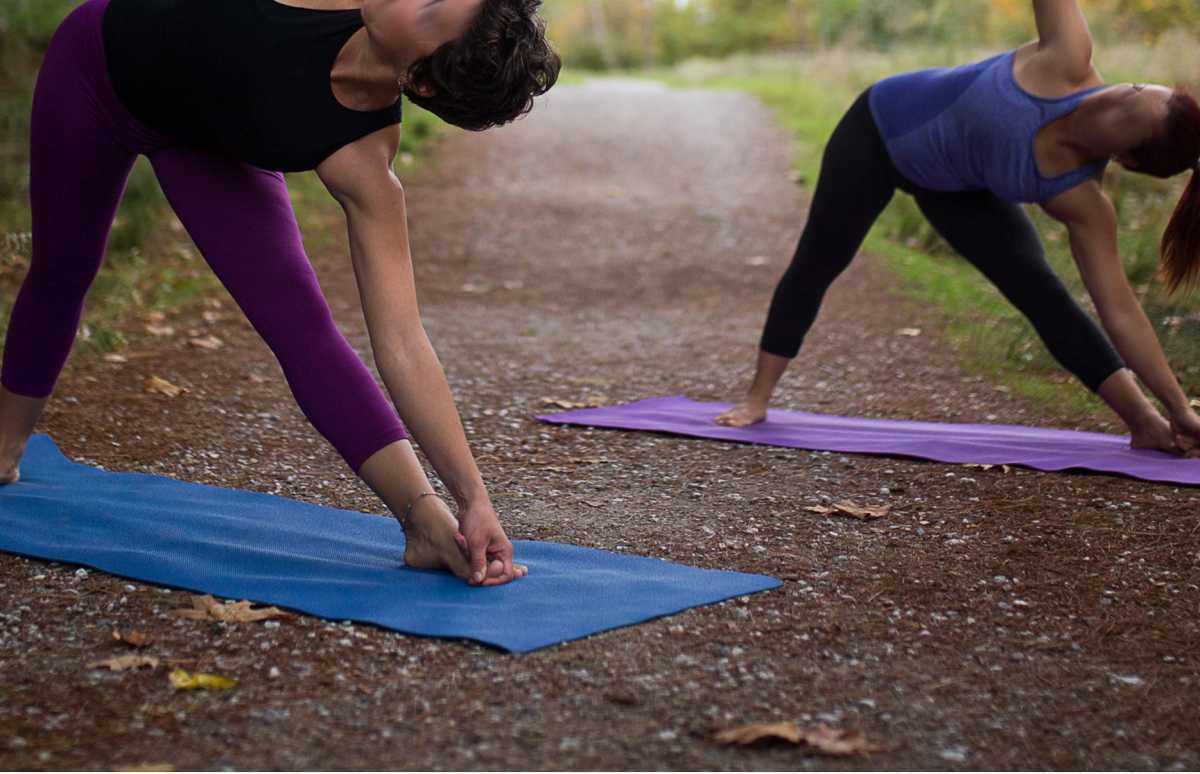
pixel 1032 447
pixel 330 563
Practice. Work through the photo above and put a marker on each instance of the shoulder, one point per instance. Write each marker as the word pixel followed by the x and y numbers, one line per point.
pixel 1084 206
pixel 1052 71
pixel 362 170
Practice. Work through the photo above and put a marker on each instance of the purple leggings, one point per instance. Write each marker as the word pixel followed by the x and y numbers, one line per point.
pixel 83 145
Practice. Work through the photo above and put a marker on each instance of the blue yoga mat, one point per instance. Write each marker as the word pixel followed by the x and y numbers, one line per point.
pixel 330 563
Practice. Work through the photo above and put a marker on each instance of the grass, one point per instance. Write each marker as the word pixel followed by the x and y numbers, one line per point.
pixel 810 92
pixel 150 264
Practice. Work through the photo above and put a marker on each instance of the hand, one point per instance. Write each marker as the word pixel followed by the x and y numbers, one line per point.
pixel 1185 427
pixel 748 412
pixel 486 548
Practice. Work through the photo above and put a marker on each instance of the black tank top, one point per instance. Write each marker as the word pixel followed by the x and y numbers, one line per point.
pixel 246 78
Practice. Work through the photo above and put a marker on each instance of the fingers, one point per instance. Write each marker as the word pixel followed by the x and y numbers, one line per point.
pixel 477 556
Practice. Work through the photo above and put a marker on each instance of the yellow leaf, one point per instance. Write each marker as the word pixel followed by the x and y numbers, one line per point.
pixel 158 386
pixel 184 680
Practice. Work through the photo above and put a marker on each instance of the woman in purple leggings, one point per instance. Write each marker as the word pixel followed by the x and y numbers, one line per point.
pixel 969 143
pixel 224 96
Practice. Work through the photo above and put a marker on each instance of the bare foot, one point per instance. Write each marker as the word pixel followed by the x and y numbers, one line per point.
pixel 9 475
pixel 433 542
pixel 1155 433
pixel 744 414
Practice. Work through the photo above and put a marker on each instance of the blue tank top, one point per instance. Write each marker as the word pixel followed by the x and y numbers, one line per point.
pixel 972 128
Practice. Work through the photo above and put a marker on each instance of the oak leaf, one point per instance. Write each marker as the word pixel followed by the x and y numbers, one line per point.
pixel 839 743
pixel 205 608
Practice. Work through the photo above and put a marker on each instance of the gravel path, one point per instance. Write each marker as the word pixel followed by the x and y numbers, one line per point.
pixel 623 241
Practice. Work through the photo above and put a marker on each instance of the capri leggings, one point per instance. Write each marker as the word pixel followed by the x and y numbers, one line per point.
pixel 83 146
pixel 858 180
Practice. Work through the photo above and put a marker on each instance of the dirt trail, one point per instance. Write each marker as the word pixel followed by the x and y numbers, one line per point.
pixel 614 243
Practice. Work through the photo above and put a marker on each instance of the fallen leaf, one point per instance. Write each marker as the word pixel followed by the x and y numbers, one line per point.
pixel 835 742
pixel 182 679
pixel 587 460
pixel 214 317
pixel 786 731
pixel 911 332
pixel 159 330
pixel 593 503
pixel 847 508
pixel 591 401
pixel 113 358
pixel 157 386
pixel 122 663
pixel 154 318
pixel 135 638
pixel 206 342
pixel 205 608
pixel 1003 468
pixel 256 379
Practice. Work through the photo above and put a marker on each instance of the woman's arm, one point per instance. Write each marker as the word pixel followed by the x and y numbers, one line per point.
pixel 1091 222
pixel 359 176
pixel 1064 41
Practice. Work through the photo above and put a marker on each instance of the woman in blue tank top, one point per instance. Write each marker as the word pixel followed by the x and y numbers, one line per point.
pixel 1034 125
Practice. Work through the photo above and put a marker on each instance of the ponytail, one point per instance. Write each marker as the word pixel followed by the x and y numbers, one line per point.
pixel 1181 241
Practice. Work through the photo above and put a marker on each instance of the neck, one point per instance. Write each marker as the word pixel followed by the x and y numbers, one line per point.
pixel 1092 129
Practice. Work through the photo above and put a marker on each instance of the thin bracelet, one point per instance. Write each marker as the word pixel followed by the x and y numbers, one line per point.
pixel 413 504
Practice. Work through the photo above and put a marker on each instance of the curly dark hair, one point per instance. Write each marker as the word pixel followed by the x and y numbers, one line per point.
pixel 491 75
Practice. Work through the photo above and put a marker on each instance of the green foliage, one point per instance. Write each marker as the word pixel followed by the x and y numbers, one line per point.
pixel 600 34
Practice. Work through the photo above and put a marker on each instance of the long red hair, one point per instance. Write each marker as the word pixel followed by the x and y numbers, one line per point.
pixel 1174 150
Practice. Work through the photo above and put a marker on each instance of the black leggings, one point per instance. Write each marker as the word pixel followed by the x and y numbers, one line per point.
pixel 858 180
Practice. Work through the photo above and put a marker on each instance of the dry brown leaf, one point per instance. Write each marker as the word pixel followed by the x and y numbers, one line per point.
pixel 214 317
pixel 158 386
pixel 114 358
pixel 835 742
pixel 206 342
pixel 256 379
pixel 786 731
pixel 909 332
pixel 205 608
pixel 159 330
pixel 847 508
pixel 591 401
pixel 135 638
pixel 154 318
pixel 123 663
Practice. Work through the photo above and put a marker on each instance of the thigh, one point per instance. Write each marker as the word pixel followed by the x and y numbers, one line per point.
pixel 241 219
pixel 995 236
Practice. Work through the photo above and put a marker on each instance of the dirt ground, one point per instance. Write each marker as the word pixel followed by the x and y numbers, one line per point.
pixel 624 241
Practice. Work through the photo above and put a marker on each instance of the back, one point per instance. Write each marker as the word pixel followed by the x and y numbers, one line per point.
pixel 972 128
pixel 247 78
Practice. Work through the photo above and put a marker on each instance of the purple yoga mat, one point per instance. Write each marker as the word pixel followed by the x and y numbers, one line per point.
pixel 1032 447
